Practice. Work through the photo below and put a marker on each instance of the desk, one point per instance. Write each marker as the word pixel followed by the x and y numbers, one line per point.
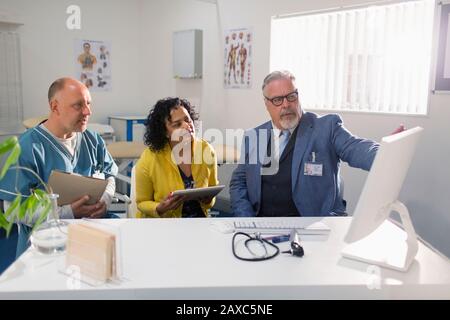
pixel 187 259
pixel 125 152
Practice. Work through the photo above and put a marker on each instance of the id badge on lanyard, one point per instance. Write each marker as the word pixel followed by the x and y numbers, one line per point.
pixel 313 168
pixel 99 175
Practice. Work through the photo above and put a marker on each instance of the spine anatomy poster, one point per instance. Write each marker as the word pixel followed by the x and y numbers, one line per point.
pixel 238 58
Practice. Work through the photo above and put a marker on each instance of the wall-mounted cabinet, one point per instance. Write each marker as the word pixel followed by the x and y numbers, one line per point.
pixel 188 54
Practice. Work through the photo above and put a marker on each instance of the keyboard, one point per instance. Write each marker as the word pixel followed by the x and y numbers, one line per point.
pixel 280 227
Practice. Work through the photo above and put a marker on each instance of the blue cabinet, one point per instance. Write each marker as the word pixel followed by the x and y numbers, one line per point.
pixel 128 128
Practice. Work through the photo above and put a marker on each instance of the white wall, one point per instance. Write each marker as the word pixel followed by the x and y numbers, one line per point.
pixel 48 50
pixel 159 19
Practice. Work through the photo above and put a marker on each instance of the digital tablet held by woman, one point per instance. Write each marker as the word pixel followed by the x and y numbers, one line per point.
pixel 198 193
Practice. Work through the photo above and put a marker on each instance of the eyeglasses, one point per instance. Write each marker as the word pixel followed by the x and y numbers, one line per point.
pixel 278 101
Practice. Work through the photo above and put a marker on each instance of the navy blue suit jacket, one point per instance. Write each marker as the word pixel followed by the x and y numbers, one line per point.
pixel 312 195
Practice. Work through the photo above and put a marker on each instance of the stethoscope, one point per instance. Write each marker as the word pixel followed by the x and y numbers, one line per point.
pixel 296 248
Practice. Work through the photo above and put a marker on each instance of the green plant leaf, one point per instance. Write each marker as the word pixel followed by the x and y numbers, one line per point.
pixel 5 224
pixel 23 208
pixel 8 144
pixel 3 221
pixel 42 196
pixel 12 211
pixel 30 207
pixel 12 208
pixel 12 159
pixel 45 203
pixel 8 228
pixel 27 209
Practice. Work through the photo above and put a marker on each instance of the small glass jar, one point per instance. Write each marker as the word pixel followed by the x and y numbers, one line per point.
pixel 51 236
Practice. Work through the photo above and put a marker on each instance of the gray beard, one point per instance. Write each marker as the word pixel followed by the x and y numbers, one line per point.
pixel 289 124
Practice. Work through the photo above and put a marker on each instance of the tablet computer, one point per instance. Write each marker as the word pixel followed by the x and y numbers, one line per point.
pixel 198 193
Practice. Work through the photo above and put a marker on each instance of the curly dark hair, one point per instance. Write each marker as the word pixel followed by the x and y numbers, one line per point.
pixel 155 136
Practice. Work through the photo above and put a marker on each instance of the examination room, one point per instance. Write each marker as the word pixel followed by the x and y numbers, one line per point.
pixel 224 150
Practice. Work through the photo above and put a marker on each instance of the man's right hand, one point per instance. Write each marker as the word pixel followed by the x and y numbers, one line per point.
pixel 170 202
pixel 399 129
pixel 80 209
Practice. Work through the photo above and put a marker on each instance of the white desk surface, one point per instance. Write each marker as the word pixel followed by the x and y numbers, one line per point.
pixel 187 259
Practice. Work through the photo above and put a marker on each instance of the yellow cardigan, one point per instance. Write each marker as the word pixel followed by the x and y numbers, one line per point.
pixel 157 175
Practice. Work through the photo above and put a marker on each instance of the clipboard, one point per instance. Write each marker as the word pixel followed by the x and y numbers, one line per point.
pixel 198 193
pixel 72 186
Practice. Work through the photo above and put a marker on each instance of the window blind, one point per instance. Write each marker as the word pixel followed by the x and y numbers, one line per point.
pixel 373 59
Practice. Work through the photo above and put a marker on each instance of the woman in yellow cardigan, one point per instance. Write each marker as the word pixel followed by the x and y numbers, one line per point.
pixel 175 159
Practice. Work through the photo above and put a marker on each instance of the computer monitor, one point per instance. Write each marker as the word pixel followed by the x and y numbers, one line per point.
pixel 373 238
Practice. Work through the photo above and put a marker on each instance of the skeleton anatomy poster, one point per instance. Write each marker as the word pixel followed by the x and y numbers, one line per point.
pixel 238 58
pixel 93 64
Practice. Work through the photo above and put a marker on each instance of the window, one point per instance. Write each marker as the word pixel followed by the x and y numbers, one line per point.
pixel 372 59
pixel 10 81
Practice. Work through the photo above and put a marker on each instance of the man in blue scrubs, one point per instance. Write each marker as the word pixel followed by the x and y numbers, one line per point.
pixel 62 142
pixel 290 165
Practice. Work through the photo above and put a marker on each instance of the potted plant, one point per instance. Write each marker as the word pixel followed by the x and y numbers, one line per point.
pixel 23 207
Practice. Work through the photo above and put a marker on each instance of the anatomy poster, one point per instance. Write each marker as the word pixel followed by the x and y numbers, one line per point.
pixel 93 64
pixel 238 58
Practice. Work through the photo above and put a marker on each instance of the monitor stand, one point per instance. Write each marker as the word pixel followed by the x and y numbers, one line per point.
pixel 388 246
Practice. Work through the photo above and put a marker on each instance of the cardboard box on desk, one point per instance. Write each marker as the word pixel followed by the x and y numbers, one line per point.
pixel 92 250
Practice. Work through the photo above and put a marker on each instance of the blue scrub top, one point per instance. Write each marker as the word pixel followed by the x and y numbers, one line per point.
pixel 42 153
